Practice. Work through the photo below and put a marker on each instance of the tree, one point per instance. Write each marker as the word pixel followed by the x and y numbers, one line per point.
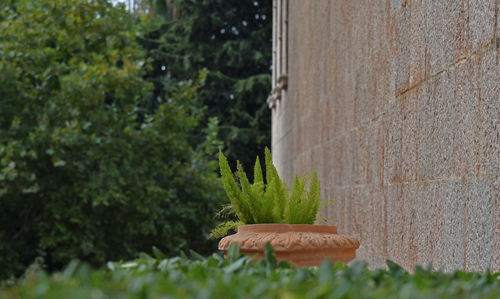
pixel 231 41
pixel 85 171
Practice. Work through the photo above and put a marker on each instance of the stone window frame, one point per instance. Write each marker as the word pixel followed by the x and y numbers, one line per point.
pixel 280 52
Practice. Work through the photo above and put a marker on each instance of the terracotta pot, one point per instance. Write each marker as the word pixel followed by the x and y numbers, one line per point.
pixel 299 244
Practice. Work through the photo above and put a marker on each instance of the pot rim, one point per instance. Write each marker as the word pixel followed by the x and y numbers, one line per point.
pixel 279 227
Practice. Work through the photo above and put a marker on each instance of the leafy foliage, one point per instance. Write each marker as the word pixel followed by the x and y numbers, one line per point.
pixel 239 277
pixel 271 202
pixel 231 41
pixel 86 170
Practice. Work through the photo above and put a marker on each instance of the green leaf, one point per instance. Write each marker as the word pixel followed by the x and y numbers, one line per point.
pixel 233 253
pixel 234 266
pixel 326 272
pixel 196 256
pixel 270 257
pixel 158 254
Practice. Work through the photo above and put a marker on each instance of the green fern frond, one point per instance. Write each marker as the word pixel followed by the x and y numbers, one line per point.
pixel 225 212
pixel 295 202
pixel 278 189
pixel 247 204
pixel 257 172
pixel 222 229
pixel 313 199
pixel 315 192
pixel 232 190
pixel 271 172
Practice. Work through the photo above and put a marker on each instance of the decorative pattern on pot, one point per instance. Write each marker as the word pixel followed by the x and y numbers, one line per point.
pixel 300 244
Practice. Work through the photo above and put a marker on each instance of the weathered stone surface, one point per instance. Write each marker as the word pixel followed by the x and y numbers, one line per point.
pixel 376 150
pixel 393 143
pixel 467 122
pixel 495 261
pixel 489 106
pixel 443 125
pixel 399 223
pixel 417 42
pixel 396 105
pixel 426 135
pixel 453 197
pixel 446 33
pixel 481 23
pixel 427 228
pixel 480 225
pixel 400 42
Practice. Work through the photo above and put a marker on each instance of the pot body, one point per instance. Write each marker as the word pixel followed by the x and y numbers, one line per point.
pixel 302 245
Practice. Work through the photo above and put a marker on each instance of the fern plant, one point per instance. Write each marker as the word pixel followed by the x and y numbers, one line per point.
pixel 269 202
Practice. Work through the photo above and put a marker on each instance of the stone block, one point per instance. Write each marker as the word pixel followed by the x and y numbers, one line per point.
pixel 308 166
pixel 302 164
pixel 342 161
pixel 379 88
pixel 336 209
pixel 344 217
pixel 399 223
pixel 326 121
pixel 401 151
pixel 376 149
pixel 446 34
pixel 453 222
pixel 427 230
pixel 317 163
pixel 360 39
pixel 360 205
pixel 417 42
pixel 393 144
pixel 425 130
pixel 395 5
pixel 361 163
pixel 298 137
pixel 467 119
pixel 489 86
pixel 495 261
pixel 308 135
pixel 408 112
pixel 344 105
pixel 276 149
pixel 481 23
pixel 378 16
pixel 400 34
pixel 361 220
pixel 352 148
pixel 377 226
pixel 362 101
pixel 349 213
pixel 480 225
pixel 443 125
pixel 315 127
pixel 326 174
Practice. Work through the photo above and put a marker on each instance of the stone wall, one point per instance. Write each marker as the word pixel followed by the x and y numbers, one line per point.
pixel 396 105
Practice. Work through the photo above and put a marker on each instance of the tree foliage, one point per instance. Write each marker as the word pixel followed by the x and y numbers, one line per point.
pixel 231 40
pixel 85 170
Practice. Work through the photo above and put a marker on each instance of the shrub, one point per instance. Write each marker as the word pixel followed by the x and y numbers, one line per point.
pixel 239 277
pixel 84 171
